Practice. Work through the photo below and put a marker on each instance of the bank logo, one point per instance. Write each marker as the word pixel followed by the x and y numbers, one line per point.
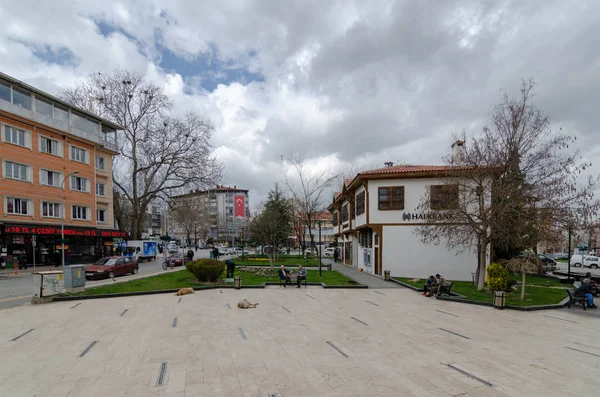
pixel 406 217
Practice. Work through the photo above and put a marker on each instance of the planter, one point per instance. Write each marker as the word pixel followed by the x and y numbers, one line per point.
pixel 499 299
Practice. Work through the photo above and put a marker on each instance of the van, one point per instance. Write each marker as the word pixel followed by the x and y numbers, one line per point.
pixel 588 261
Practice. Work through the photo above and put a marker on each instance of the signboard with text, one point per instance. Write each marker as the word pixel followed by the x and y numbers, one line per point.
pixel 56 231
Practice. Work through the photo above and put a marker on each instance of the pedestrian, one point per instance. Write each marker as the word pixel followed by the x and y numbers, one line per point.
pixel 301 275
pixel 197 247
pixel 57 259
pixel 216 252
pixel 68 257
pixel 190 255
pixel 22 260
pixel 336 255
pixel 230 268
pixel 585 290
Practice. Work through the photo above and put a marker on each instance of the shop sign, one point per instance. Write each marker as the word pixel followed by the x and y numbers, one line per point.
pixel 407 216
pixel 56 231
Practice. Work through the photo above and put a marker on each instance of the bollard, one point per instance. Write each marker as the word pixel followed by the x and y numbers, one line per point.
pixel 386 275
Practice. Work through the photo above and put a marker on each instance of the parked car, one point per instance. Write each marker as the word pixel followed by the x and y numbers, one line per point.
pixel 548 264
pixel 240 251
pixel 110 267
pixel 587 261
pixel 177 259
pixel 559 256
pixel 267 249
pixel 329 251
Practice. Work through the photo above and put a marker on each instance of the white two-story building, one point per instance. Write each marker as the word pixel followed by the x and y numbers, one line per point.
pixel 376 215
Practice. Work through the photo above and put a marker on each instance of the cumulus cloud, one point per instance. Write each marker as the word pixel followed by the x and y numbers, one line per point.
pixel 341 82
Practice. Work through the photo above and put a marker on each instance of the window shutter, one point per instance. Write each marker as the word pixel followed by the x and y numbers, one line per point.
pixel 29 173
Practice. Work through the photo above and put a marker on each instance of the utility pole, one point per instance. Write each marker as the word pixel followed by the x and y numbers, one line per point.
pixel 319 248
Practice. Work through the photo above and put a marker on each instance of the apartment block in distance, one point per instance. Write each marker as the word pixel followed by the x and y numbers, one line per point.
pixel 56 164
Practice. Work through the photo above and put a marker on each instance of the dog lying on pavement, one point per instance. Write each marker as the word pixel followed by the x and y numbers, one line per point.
pixel 185 291
pixel 244 304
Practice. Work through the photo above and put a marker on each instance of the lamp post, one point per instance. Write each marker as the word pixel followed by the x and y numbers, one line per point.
pixel 62 223
pixel 319 248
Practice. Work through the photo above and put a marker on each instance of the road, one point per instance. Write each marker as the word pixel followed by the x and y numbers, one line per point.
pixel 16 290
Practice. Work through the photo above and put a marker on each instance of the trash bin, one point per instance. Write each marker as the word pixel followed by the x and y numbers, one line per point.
pixel 74 277
pixel 499 299
pixel 212 255
pixel 237 282
pixel 329 266
pixel 386 275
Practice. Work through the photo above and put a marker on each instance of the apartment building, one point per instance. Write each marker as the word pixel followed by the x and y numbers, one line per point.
pixel 375 216
pixel 56 167
pixel 228 210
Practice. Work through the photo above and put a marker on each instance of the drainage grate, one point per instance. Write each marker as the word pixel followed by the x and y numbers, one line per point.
pixel 242 333
pixel 73 307
pixel 22 335
pixel 87 349
pixel 175 322
pixel 450 314
pixel 362 322
pixel 454 333
pixel 337 348
pixel 161 376
pixel 372 303
pixel 561 319
pixel 124 311
pixel 380 293
pixel 583 351
pixel 286 309
pixel 229 306
pixel 310 296
pixel 485 382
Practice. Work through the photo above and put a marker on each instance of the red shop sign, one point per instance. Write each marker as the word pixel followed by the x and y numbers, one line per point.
pixel 56 231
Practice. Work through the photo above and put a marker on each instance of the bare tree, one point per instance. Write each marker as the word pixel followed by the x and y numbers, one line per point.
pixel 192 215
pixel 508 184
pixel 160 154
pixel 308 189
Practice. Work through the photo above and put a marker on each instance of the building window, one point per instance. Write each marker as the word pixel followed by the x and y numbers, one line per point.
pixel 80 213
pixel 22 98
pixel 61 113
pixel 50 178
pixel 345 213
pixel 360 203
pixel 100 163
pixel 43 106
pixel 101 215
pixel 84 123
pixel 79 184
pixel 366 238
pixel 50 210
pixel 78 154
pixel 17 206
pixel 50 146
pixel 100 189
pixel 444 197
pixel 5 91
pixel 16 171
pixel 335 220
pixel 391 198
pixel 17 136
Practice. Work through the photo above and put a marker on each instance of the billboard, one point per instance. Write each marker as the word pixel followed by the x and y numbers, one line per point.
pixel 239 206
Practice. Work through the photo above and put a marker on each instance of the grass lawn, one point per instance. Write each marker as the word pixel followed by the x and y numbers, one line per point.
pixel 183 278
pixel 288 261
pixel 536 291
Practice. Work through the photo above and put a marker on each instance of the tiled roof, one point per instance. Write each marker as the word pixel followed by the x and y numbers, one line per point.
pixel 349 181
pixel 405 168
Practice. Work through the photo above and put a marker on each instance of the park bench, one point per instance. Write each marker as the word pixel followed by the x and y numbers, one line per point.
pixel 576 300
pixel 444 290
pixel 293 279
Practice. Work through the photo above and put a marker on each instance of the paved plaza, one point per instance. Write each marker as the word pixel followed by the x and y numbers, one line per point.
pixel 298 342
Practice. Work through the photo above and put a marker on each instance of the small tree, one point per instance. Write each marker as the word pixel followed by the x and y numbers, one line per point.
pixel 497 277
pixel 529 264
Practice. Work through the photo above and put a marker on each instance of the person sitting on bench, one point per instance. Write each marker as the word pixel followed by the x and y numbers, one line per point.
pixel 230 268
pixel 586 290
pixel 283 275
pixel 429 283
pixel 439 283
pixel 301 275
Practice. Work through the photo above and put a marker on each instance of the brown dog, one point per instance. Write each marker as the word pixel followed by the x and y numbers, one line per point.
pixel 185 291
pixel 244 304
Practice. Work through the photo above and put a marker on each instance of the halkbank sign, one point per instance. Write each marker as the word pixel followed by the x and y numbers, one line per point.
pixel 430 216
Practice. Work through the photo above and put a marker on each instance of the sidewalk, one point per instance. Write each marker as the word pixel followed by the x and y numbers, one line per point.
pixel 361 277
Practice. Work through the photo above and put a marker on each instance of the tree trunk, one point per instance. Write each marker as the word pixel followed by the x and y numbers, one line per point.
pixel 523 285
pixel 481 264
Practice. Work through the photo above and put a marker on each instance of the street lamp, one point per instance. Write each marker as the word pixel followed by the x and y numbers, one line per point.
pixel 319 248
pixel 64 210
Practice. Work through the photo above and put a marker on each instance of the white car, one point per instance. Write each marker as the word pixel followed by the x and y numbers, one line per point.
pixel 588 261
pixel 239 251
pixel 329 251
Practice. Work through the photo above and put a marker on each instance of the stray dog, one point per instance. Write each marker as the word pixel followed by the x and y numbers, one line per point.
pixel 185 291
pixel 246 305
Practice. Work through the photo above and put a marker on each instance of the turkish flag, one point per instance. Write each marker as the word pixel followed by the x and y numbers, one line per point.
pixel 239 206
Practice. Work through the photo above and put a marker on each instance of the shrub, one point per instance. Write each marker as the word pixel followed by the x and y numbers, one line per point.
pixel 206 270
pixel 497 277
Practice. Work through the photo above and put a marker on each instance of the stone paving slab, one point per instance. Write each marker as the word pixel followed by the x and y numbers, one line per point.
pixel 336 344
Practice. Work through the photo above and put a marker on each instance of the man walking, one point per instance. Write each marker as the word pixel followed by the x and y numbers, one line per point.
pixel 336 255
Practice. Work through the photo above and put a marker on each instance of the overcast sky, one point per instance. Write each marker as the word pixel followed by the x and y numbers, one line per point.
pixel 342 82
